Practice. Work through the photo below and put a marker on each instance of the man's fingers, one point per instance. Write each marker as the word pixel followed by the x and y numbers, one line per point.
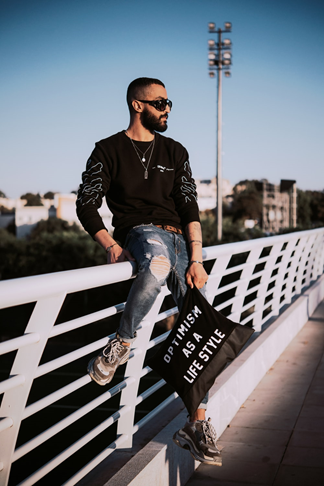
pixel 129 256
pixel 119 256
pixel 189 281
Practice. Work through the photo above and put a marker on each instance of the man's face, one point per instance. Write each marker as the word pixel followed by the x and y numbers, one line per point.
pixel 151 118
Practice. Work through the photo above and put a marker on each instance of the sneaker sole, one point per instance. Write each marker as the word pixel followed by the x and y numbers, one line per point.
pixel 99 380
pixel 184 444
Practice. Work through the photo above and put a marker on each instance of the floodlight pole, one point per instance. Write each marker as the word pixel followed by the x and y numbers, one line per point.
pixel 219 149
pixel 218 59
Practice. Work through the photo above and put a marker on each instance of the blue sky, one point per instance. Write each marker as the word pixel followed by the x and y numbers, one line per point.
pixel 66 65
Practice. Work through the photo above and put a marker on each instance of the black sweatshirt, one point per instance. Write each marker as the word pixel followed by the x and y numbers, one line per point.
pixel 114 171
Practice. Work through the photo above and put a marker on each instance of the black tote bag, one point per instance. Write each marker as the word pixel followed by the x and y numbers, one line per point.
pixel 198 348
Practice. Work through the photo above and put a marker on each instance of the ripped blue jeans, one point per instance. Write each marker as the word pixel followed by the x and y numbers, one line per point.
pixel 162 259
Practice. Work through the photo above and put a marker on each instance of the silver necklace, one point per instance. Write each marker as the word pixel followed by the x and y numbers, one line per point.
pixel 142 158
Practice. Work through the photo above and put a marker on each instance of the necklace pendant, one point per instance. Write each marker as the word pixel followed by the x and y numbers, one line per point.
pixel 146 175
pixel 143 159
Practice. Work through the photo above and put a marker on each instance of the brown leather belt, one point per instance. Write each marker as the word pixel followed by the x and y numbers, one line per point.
pixel 167 227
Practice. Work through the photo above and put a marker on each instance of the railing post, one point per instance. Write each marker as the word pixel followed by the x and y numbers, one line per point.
pixel 133 369
pixel 25 364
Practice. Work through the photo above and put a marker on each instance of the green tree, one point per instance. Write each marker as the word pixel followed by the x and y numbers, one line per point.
pixel 53 246
pixel 304 211
pixel 54 225
pixel 247 201
pixel 49 195
pixel 232 231
pixel 32 199
pixel 208 227
pixel 317 207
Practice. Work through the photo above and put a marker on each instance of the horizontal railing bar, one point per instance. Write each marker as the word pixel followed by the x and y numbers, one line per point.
pixel 232 285
pixel 19 342
pixel 246 306
pixel 242 266
pixel 69 357
pixel 92 464
pixel 11 382
pixel 70 419
pixel 167 313
pixel 218 251
pixel 31 289
pixel 85 320
pixel 56 461
pixel 145 371
pixel 158 340
pixel 55 396
pixel 6 423
pixel 97 460
pixel 154 412
pixel 147 393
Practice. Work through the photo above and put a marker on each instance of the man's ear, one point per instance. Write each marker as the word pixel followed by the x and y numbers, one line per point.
pixel 137 105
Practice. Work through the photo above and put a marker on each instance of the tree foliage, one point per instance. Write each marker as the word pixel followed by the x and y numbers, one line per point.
pixel 304 213
pixel 49 195
pixel 32 199
pixel 310 208
pixel 54 246
pixel 247 201
pixel 232 231
pixel 54 225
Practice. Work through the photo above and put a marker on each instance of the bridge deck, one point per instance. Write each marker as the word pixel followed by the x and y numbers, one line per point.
pixel 277 437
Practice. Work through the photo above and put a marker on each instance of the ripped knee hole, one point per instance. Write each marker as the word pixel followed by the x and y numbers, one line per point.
pixel 160 267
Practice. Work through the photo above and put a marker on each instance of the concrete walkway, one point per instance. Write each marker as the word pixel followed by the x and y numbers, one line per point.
pixel 277 437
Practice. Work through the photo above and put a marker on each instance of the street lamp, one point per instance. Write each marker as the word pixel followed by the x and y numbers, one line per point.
pixel 219 59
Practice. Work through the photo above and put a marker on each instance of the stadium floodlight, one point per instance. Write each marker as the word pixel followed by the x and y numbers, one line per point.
pixel 219 61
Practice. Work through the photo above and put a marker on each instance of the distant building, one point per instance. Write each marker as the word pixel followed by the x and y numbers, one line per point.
pixel 27 217
pixel 279 205
pixel 207 192
pixel 65 209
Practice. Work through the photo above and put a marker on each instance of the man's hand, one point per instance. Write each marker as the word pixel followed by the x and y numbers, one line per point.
pixel 196 275
pixel 117 254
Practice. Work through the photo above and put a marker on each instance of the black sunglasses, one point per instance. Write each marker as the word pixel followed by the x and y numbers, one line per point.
pixel 159 105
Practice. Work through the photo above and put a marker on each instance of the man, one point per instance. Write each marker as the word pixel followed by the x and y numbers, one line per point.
pixel 146 179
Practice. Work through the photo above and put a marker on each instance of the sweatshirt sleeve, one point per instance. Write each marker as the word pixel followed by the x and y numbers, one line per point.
pixel 95 184
pixel 184 191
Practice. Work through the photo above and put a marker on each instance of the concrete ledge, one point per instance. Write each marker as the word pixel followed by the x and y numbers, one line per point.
pixel 161 462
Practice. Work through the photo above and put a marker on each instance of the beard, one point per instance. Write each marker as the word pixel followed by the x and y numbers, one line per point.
pixel 154 123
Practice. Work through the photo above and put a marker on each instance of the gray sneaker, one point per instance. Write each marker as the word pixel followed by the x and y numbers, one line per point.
pixel 200 439
pixel 102 368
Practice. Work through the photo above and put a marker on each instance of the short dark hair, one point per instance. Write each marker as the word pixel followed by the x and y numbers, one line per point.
pixel 136 86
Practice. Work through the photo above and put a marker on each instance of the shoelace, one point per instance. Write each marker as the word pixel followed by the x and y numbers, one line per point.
pixel 114 348
pixel 209 432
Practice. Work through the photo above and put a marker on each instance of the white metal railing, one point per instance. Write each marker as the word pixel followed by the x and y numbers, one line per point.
pixel 249 281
